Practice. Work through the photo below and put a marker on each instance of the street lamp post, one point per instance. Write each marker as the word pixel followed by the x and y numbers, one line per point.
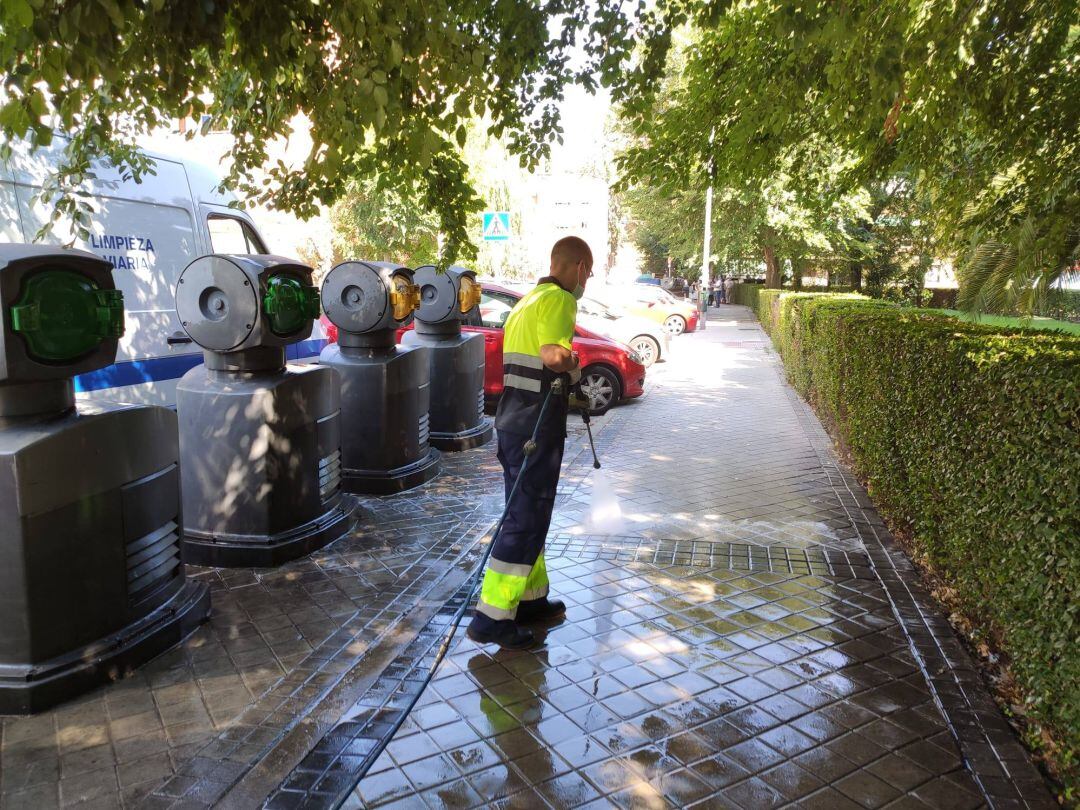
pixel 706 282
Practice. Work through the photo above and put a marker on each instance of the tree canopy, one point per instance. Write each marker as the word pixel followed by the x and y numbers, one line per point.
pixel 388 88
pixel 975 106
pixel 800 114
pixel 372 221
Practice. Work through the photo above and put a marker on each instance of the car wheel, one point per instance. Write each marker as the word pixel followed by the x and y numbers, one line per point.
pixel 675 324
pixel 647 347
pixel 602 387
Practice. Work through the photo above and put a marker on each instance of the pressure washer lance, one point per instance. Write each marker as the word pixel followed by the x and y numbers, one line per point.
pixel 557 388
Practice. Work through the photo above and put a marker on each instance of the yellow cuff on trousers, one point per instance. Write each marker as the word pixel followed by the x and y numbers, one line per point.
pixel 507 584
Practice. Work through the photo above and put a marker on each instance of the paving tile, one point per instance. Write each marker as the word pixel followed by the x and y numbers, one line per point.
pixel 787 740
pixel 900 772
pixel 39 797
pixel 949 792
pixel 431 771
pixel 792 781
pixel 754 755
pixel 865 789
pixel 682 787
pixel 828 799
pixel 569 790
pixel 42 770
pixel 457 794
pixel 474 757
pixel 611 775
pixel 753 793
pixel 86 786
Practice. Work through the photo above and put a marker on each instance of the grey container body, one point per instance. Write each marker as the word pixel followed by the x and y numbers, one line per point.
pixel 457 420
pixel 91 582
pixel 260 460
pixel 385 395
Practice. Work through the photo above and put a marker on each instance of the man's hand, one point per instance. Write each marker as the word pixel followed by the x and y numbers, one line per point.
pixel 579 402
pixel 558 358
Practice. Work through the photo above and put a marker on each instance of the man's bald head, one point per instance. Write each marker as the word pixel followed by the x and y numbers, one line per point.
pixel 571 262
pixel 570 250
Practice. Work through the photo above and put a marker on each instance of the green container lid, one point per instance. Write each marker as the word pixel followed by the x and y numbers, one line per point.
pixel 289 303
pixel 63 315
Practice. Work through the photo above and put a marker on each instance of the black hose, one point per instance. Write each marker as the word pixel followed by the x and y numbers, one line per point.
pixel 369 760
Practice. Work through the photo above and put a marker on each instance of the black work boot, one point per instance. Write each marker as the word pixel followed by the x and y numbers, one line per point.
pixel 540 610
pixel 505 633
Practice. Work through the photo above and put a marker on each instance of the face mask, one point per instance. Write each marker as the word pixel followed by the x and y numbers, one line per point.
pixel 578 292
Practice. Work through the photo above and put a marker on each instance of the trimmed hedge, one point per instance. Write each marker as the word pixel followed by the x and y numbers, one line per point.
pixel 1062 305
pixel 969 437
pixel 745 294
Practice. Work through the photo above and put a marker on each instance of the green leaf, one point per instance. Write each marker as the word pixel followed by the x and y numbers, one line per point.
pixel 17 14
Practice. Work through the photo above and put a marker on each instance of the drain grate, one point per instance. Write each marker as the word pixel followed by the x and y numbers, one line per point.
pixel 750 557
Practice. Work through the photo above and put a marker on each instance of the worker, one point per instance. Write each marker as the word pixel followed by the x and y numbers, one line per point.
pixel 537 352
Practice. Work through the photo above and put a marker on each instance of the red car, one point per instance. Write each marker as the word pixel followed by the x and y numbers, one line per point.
pixel 610 371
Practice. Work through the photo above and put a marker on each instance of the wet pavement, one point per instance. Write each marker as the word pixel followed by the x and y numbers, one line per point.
pixel 748 637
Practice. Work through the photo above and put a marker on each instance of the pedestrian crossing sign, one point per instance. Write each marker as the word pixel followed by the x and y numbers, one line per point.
pixel 496 226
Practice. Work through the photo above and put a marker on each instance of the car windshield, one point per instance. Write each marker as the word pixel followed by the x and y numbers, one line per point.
pixel 664 296
pixel 644 292
pixel 593 307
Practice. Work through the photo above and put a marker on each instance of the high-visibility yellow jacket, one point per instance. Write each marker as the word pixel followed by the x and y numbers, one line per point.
pixel 545 316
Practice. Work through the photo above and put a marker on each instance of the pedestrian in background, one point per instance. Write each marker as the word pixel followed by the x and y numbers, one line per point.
pixel 729 288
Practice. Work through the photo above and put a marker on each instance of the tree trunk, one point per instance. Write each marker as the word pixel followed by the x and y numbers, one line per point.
pixel 796 272
pixel 856 275
pixel 773 276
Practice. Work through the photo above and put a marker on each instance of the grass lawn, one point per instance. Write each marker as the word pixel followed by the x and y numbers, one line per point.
pixel 1002 320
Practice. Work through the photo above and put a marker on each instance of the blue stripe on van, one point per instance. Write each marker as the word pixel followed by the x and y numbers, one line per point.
pixel 305 348
pixel 155 369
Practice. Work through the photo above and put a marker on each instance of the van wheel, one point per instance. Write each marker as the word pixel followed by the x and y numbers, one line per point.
pixel 647 347
pixel 602 387
pixel 675 324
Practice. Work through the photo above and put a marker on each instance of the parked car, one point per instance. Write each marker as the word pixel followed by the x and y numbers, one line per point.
pixel 610 371
pixel 654 304
pixel 648 338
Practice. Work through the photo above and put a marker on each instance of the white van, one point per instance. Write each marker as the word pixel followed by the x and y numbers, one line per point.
pixel 149 232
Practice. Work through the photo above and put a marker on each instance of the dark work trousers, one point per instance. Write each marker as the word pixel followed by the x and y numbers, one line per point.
pixel 520 542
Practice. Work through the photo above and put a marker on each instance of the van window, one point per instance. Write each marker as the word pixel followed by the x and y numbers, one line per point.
pixel 232 235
